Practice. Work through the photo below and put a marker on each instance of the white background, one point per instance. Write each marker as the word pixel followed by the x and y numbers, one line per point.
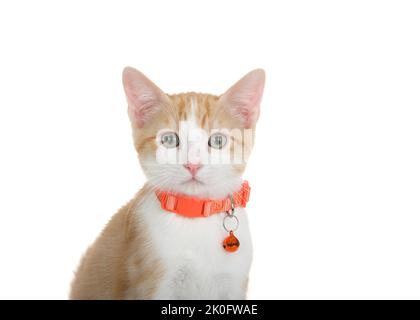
pixel 335 207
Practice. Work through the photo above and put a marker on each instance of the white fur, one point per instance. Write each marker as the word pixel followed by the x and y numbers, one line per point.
pixel 196 265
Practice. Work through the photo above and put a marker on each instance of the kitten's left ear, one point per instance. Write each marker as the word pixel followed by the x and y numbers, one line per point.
pixel 244 97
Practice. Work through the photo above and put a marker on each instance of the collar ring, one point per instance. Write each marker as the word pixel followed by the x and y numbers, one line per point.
pixel 236 223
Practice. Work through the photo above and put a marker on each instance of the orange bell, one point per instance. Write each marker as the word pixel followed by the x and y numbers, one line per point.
pixel 231 243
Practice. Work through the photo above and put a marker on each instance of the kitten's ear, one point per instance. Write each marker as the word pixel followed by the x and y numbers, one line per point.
pixel 244 97
pixel 143 96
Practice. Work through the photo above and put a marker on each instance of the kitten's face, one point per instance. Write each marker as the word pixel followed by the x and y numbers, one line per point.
pixel 195 144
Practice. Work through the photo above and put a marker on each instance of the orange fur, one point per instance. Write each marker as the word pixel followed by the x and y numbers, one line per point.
pixel 104 271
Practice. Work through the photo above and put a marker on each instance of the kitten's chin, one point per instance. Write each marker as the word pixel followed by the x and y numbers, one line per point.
pixel 193 187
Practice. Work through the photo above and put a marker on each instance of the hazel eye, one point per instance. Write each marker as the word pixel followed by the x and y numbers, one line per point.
pixel 217 140
pixel 170 140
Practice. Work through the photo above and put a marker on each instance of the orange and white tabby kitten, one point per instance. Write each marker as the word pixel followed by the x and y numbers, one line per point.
pixel 146 252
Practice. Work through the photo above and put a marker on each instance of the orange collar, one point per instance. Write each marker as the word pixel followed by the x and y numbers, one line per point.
pixel 194 208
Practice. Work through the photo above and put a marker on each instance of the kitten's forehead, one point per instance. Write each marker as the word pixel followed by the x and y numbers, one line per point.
pixel 196 108
pixel 203 109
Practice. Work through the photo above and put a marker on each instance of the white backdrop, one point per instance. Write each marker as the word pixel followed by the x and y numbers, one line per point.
pixel 335 206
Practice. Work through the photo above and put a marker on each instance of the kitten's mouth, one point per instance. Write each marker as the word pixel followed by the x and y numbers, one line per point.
pixel 193 180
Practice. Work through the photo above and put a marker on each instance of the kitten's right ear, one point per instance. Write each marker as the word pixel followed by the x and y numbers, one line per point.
pixel 244 97
pixel 143 96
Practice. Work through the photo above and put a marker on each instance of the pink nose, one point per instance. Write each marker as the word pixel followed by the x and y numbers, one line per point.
pixel 193 168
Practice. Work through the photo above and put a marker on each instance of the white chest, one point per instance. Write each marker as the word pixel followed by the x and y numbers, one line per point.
pixel 196 265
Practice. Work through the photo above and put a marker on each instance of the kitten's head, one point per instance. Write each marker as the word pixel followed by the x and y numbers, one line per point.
pixel 192 143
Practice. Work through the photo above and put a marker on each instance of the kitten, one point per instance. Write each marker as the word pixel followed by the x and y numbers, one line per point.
pixel 182 140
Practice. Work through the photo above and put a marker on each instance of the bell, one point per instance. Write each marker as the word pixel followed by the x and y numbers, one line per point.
pixel 231 243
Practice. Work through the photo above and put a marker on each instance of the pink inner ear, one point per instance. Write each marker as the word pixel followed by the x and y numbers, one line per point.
pixel 140 112
pixel 245 96
pixel 143 96
pixel 247 107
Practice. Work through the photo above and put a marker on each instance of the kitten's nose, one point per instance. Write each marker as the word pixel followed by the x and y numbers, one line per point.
pixel 193 168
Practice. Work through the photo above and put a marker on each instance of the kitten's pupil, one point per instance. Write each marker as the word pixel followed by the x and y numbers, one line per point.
pixel 170 140
pixel 217 140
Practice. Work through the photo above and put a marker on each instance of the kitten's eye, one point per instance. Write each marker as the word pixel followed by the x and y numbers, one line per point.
pixel 217 140
pixel 170 140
